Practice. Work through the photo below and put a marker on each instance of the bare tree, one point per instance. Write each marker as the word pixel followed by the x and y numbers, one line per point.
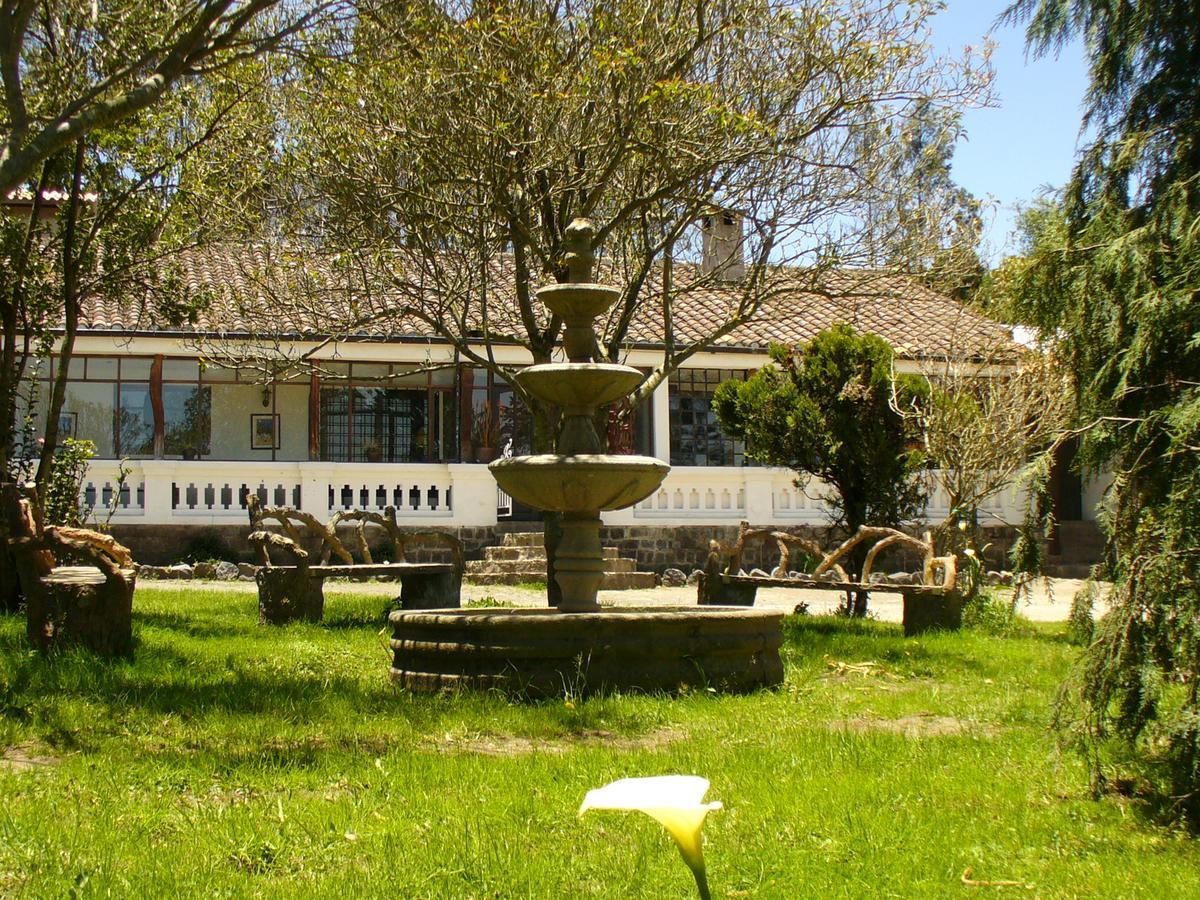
pixel 985 421
pixel 439 150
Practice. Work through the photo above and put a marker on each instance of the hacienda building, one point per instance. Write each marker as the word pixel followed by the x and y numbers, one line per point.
pixel 399 420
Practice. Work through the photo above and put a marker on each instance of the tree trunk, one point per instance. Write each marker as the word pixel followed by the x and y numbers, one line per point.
pixel 10 584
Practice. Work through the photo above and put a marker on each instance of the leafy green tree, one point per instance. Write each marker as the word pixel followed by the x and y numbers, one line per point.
pixel 834 409
pixel 133 112
pixel 932 230
pixel 71 68
pixel 1119 295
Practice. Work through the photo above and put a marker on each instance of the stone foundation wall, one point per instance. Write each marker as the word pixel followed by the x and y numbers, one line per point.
pixel 655 547
pixel 686 546
pixel 160 545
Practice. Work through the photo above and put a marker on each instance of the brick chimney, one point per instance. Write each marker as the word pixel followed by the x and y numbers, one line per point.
pixel 722 248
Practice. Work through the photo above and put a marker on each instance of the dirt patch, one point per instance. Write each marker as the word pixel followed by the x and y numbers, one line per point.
pixel 516 745
pixel 918 725
pixel 25 758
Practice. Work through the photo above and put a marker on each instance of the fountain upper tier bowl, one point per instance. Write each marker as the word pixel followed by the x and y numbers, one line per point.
pixel 576 302
pixel 580 385
pixel 579 482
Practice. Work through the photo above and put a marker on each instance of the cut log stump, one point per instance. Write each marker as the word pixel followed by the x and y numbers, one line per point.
pixel 81 604
pixel 932 612
pixel 435 590
pixel 289 595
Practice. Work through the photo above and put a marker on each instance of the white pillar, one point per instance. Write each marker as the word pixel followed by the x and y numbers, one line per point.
pixel 760 504
pixel 661 419
pixel 159 475
pixel 473 494
pixel 315 477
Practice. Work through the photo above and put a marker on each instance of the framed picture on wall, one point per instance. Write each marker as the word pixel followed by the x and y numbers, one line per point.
pixel 264 431
pixel 67 422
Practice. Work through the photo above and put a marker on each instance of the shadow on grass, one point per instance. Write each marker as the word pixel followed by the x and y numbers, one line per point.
pixel 192 626
pixel 350 619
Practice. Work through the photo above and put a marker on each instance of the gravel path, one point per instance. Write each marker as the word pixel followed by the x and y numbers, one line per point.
pixel 1050 600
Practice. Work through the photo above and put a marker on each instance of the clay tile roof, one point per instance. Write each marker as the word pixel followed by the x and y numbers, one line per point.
pixel 256 290
pixel 50 196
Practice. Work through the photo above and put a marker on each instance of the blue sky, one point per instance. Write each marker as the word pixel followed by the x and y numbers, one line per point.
pixel 1027 140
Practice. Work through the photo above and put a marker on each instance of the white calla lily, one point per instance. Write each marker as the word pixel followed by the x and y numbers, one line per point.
pixel 674 801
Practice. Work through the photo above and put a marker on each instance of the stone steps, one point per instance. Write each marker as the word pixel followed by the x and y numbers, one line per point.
pixel 523 539
pixel 613 581
pixel 530 564
pixel 1082 546
pixel 522 557
pixel 502 553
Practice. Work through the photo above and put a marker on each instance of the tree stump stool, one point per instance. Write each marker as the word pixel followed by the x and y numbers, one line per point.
pixel 289 594
pixel 92 604
pixel 82 604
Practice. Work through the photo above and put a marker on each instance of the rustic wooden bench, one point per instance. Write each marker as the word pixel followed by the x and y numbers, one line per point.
pixel 287 593
pixel 290 592
pixel 91 604
pixel 933 604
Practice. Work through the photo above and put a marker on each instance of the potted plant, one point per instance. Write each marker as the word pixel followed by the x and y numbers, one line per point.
pixel 373 451
pixel 485 433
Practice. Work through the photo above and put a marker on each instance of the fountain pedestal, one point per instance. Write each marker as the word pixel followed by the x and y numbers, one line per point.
pixel 579 562
pixel 579 645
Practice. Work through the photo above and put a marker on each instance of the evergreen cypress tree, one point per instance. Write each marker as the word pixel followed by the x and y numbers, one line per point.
pixel 1120 296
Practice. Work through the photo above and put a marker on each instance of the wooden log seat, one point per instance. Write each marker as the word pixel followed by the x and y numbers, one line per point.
pixel 291 593
pixel 88 604
pixel 933 604
pixel 294 592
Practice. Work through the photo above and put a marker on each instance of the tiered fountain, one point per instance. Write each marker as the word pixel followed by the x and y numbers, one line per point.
pixel 578 645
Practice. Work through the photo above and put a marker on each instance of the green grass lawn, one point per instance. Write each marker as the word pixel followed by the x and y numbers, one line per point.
pixel 229 759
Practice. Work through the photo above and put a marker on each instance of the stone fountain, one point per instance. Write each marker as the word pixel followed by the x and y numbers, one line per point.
pixel 578 645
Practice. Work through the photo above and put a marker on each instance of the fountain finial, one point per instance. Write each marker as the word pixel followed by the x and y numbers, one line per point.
pixel 577 241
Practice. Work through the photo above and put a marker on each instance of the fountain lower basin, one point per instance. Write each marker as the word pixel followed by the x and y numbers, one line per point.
pixel 544 652
pixel 592 481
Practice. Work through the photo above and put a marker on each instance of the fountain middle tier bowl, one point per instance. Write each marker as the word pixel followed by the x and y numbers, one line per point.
pixel 576 301
pixel 580 482
pixel 580 385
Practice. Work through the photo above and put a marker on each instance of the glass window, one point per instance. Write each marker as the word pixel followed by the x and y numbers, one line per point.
pixel 369 371
pixel 181 370
pixel 372 424
pixel 696 438
pixel 87 414
pixel 135 420
pixel 218 374
pixel 516 421
pixel 101 369
pixel 135 369
pixel 442 377
pixel 335 424
pixel 187 419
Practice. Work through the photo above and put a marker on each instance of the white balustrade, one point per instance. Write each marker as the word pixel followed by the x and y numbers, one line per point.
pixel 214 492
pixel 178 491
pixel 109 495
pixel 416 491
pixel 695 495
